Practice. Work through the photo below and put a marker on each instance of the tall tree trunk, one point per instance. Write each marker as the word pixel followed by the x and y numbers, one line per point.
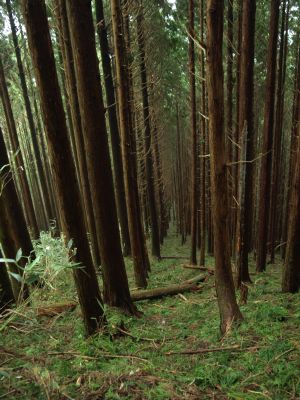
pixel 85 186
pixel 267 145
pixel 64 175
pixel 14 234
pixel 291 270
pixel 202 142
pixel 155 241
pixel 32 128
pixel 116 289
pixel 113 125
pixel 246 128
pixel 193 132
pixel 229 310
pixel 127 145
pixel 13 136
pixel 278 128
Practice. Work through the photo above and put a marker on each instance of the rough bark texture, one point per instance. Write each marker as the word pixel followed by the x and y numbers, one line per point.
pixel 193 133
pixel 246 129
pixel 291 270
pixel 113 125
pixel 266 162
pixel 14 142
pixel 14 234
pixel 155 241
pixel 229 310
pixel 63 171
pixel 40 173
pixel 129 163
pixel 85 186
pixel 116 290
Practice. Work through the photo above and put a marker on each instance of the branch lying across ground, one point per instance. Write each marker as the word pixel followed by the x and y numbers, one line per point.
pixel 216 349
pixel 198 268
pixel 156 293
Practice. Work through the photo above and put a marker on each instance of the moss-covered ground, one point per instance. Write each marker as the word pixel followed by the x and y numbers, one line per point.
pixel 43 357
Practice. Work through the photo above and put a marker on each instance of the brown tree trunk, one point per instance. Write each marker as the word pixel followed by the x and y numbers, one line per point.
pixel 85 186
pixel 14 234
pixel 64 175
pixel 229 310
pixel 149 172
pixel 113 124
pixel 193 132
pixel 291 270
pixel 276 159
pixel 246 128
pixel 266 161
pixel 116 290
pixel 129 163
pixel 13 136
pixel 41 173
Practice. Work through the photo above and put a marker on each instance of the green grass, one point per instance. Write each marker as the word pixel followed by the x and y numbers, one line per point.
pixel 55 361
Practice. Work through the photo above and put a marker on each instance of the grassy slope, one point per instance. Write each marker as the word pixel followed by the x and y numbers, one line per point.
pixel 60 364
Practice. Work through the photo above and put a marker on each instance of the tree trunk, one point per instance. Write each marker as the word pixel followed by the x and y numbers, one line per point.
pixel 129 163
pixel 266 161
pixel 113 124
pixel 291 270
pixel 64 175
pixel 13 136
pixel 116 290
pixel 193 133
pixel 14 234
pixel 229 310
pixel 155 241
pixel 246 128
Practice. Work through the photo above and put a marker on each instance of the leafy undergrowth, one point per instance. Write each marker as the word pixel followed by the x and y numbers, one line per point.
pixel 43 357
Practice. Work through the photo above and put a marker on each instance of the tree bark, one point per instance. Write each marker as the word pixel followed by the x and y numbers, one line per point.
pixel 13 136
pixel 229 310
pixel 116 290
pixel 266 162
pixel 113 125
pixel 155 241
pixel 64 175
pixel 246 128
pixel 129 163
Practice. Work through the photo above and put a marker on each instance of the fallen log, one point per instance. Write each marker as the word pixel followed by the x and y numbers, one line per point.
pixel 197 268
pixel 174 258
pixel 157 293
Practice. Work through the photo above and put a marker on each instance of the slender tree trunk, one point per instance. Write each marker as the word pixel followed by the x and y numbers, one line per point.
pixel 246 128
pixel 14 234
pixel 113 125
pixel 116 289
pixel 67 192
pixel 129 163
pixel 202 143
pixel 12 130
pixel 266 162
pixel 155 241
pixel 193 132
pixel 77 128
pixel 291 270
pixel 276 159
pixel 229 310
pixel 33 132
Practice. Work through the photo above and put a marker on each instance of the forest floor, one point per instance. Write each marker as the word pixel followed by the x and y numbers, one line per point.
pixel 44 357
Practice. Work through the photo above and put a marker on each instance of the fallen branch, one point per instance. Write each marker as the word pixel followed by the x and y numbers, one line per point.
pixel 186 286
pixel 216 349
pixel 104 355
pixel 174 258
pixel 197 268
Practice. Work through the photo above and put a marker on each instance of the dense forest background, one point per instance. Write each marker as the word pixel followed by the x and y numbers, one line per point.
pixel 150 199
